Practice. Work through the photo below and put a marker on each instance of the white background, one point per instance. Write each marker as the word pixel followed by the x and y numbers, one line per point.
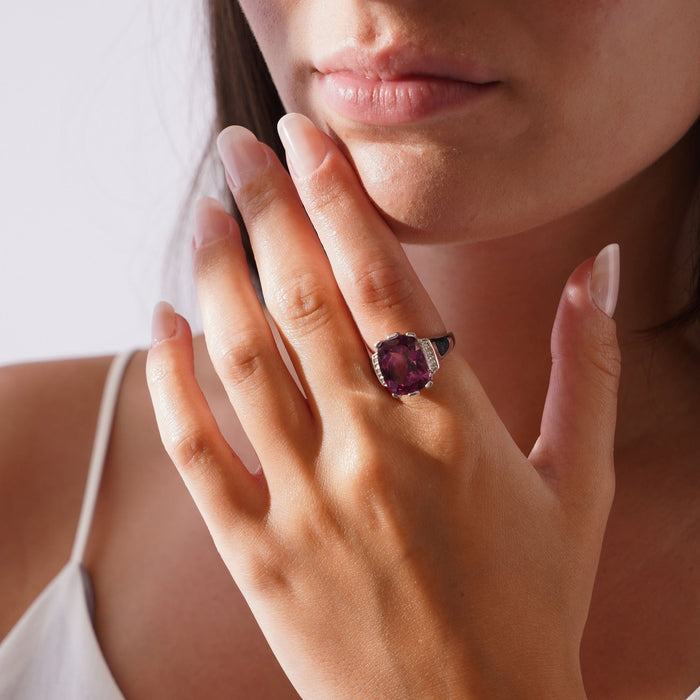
pixel 105 108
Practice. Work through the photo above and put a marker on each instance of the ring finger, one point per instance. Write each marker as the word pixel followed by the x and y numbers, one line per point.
pixel 268 403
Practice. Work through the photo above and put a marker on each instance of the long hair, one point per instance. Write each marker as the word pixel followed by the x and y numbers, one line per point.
pixel 245 95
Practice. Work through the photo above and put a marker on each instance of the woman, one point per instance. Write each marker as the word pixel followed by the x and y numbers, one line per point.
pixel 473 160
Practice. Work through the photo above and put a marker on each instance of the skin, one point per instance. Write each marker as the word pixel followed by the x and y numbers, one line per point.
pixel 551 139
pixel 626 186
pixel 572 177
pixel 361 497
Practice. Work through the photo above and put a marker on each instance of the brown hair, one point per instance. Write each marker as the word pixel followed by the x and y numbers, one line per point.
pixel 246 95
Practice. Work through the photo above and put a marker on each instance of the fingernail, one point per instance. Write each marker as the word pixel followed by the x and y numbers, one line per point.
pixel 211 222
pixel 242 154
pixel 605 279
pixel 305 145
pixel 164 323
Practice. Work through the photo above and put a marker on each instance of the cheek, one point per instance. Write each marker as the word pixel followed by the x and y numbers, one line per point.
pixel 272 24
pixel 621 76
pixel 408 184
pixel 435 193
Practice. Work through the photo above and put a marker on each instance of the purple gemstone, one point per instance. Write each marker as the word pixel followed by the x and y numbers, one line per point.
pixel 403 365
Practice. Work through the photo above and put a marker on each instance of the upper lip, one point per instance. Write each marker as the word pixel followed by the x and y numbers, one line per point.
pixel 401 63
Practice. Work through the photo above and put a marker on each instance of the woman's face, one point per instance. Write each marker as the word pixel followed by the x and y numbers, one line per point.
pixel 584 95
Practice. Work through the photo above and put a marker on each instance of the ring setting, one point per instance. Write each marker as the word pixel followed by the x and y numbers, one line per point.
pixel 405 364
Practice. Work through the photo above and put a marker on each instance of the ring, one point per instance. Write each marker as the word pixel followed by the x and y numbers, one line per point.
pixel 405 363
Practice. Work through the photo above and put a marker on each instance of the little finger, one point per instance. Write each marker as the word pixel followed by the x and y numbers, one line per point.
pixel 226 494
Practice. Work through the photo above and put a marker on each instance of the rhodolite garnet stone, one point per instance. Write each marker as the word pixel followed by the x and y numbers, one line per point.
pixel 403 364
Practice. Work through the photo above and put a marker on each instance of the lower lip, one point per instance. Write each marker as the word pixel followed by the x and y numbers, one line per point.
pixel 392 102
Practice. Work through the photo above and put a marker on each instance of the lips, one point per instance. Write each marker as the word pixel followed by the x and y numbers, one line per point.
pixel 396 63
pixel 396 86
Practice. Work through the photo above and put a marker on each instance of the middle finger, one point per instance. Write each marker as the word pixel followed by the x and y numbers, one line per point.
pixel 296 278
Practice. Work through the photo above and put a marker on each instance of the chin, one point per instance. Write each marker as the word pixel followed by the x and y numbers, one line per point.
pixel 434 193
pixel 425 193
pixel 410 186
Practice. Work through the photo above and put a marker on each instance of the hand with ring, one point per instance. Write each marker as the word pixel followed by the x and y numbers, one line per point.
pixel 393 548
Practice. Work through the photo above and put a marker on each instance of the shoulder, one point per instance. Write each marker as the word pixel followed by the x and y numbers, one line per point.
pixel 46 409
pixel 49 412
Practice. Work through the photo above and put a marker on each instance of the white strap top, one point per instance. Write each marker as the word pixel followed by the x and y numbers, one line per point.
pixel 52 652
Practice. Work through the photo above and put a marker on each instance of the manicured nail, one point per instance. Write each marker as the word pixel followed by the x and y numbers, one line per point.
pixel 304 143
pixel 164 323
pixel 211 222
pixel 242 154
pixel 605 279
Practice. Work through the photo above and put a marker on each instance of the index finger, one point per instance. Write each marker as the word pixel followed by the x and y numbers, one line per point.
pixel 381 288
pixel 369 264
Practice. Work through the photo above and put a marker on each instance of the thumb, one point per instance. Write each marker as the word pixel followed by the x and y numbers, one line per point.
pixel 574 451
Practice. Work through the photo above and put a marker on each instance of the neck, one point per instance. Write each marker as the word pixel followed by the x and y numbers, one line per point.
pixel 500 297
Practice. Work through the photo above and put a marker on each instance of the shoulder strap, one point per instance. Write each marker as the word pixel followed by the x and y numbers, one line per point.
pixel 110 394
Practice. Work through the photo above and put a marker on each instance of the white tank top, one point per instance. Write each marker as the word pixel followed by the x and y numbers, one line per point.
pixel 52 653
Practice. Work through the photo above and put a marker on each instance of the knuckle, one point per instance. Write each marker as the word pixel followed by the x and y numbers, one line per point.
pixel 327 189
pixel 604 356
pixel 256 198
pixel 368 473
pixel 609 358
pixel 215 258
pixel 242 358
pixel 268 569
pixel 382 285
pixel 192 452
pixel 596 352
pixel 267 576
pixel 302 302
pixel 373 490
